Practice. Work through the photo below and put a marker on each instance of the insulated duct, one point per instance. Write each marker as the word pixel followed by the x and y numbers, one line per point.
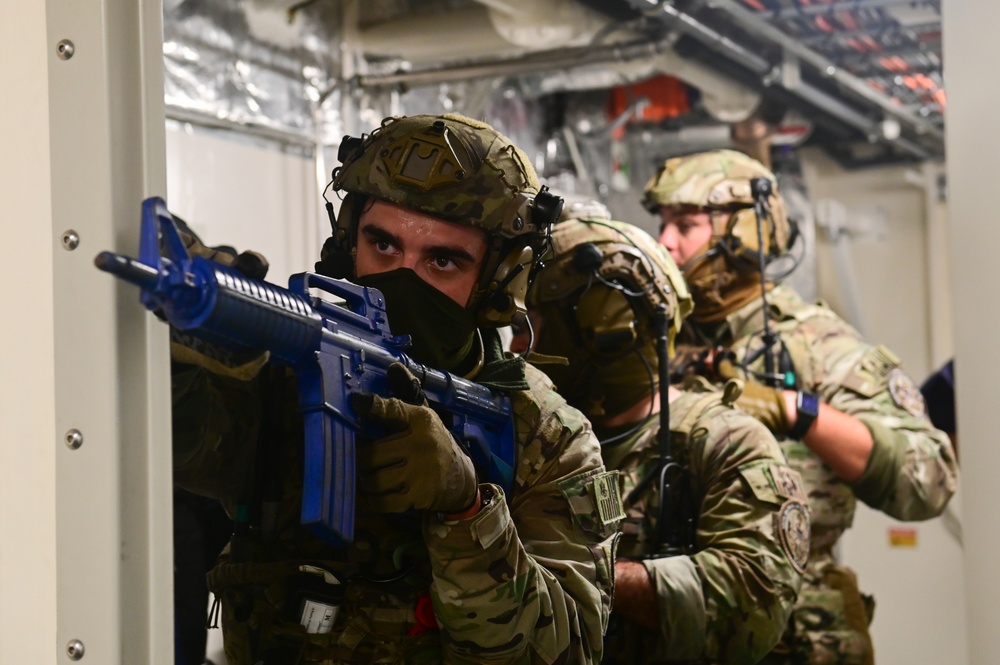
pixel 490 28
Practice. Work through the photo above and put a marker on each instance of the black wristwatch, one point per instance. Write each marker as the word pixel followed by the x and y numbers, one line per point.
pixel 806 411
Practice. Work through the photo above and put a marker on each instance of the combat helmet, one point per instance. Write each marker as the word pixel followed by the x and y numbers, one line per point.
pixel 719 181
pixel 459 170
pixel 597 296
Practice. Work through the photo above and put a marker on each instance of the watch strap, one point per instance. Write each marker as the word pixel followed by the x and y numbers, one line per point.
pixel 806 412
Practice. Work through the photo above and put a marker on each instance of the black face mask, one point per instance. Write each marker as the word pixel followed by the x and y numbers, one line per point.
pixel 443 332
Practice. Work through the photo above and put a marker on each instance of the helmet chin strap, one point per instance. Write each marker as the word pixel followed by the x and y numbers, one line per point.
pixel 711 252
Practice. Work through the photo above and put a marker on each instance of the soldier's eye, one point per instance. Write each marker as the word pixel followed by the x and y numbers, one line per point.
pixel 444 263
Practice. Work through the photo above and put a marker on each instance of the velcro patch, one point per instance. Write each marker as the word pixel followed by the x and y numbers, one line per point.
pixel 788 482
pixel 871 374
pixel 606 492
pixel 879 362
pixel 761 484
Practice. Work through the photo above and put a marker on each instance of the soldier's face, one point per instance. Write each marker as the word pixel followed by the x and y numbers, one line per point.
pixel 685 231
pixel 446 255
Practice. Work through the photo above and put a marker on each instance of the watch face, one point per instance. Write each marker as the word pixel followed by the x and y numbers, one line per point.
pixel 808 403
pixel 806 410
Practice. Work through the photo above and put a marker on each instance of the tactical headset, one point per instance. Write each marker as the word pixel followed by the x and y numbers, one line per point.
pixel 742 238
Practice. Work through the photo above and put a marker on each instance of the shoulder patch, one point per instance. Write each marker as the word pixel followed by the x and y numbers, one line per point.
pixel 606 491
pixel 905 393
pixel 793 527
pixel 871 375
pixel 879 362
pixel 595 501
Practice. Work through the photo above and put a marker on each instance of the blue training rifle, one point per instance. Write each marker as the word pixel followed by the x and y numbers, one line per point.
pixel 334 350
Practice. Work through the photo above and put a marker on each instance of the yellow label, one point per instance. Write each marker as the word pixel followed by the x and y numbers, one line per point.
pixel 902 537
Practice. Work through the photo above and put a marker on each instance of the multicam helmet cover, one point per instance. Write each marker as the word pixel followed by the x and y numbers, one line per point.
pixel 627 254
pixel 719 181
pixel 596 297
pixel 458 170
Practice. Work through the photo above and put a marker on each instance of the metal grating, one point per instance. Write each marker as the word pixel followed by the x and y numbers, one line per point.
pixel 893 45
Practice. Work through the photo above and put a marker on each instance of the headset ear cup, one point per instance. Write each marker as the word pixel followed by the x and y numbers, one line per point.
pixel 334 261
pixel 510 288
pixel 741 237
pixel 337 257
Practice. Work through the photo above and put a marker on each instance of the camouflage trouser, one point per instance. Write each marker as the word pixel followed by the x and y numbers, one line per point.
pixel 829 625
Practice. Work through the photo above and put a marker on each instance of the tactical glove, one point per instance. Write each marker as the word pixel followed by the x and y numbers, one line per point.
pixel 419 465
pixel 764 403
pixel 250 263
pixel 242 364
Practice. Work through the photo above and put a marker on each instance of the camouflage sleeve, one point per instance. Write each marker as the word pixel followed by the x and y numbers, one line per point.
pixel 531 582
pixel 730 601
pixel 912 472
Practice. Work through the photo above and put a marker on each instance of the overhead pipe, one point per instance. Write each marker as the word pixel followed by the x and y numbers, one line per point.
pixel 580 56
pixel 753 23
pixel 655 57
pixel 209 121
pixel 828 103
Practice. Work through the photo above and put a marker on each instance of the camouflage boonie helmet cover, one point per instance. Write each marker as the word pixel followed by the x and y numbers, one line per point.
pixel 627 252
pixel 717 180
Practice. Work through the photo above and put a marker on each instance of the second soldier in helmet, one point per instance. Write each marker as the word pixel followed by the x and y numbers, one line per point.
pixel 709 575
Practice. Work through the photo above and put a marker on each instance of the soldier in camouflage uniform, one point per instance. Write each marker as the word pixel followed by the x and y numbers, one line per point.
pixel 723 590
pixel 446 217
pixel 849 419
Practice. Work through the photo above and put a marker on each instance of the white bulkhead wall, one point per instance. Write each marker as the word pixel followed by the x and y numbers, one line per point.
pixel 973 144
pixel 85 439
pixel 891 269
